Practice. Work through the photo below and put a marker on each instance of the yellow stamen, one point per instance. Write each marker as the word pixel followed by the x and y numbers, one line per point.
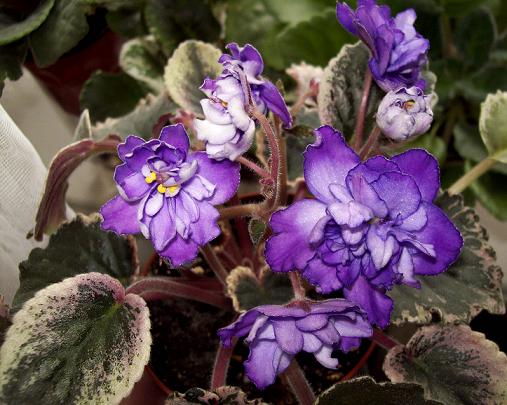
pixel 151 178
pixel 224 103
pixel 161 189
pixel 173 189
pixel 407 105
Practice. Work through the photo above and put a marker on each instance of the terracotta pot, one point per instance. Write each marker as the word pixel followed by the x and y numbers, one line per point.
pixel 65 79
pixel 148 390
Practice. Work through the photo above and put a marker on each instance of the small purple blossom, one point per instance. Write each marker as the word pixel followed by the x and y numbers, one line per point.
pixel 404 113
pixel 227 129
pixel 398 50
pixel 168 193
pixel 371 225
pixel 277 333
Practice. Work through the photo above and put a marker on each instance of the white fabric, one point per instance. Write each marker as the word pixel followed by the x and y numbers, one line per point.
pixel 22 177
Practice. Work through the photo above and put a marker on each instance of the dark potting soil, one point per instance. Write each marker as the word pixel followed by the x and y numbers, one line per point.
pixel 185 344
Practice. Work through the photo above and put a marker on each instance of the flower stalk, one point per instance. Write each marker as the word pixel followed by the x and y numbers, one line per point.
pixel 236 211
pixel 222 360
pixel 383 340
pixel 215 264
pixel 473 174
pixel 296 380
pixel 254 167
pixel 361 116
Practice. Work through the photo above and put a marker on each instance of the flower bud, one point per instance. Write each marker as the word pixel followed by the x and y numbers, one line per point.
pixel 404 113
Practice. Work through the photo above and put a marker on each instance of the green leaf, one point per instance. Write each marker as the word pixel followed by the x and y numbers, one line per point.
pixel 248 291
pixel 11 30
pixel 297 140
pixel 493 125
pixel 489 190
pixel 186 70
pixel 5 320
pixel 341 90
pixel 65 26
pixel 12 57
pixel 79 341
pixel 365 391
pixel 178 20
pixel 475 36
pixel 142 59
pixel 222 395
pixel 141 121
pixel 459 7
pixel 256 229
pixel 489 79
pixel 110 94
pixel 126 23
pixel 116 5
pixel 454 364
pixel 79 246
pixel 254 23
pixel 471 284
pixel 314 41
pixel 84 127
pixel 433 144
pixel 468 143
pixel 293 12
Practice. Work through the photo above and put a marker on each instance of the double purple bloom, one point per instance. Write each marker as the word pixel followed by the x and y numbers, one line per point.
pixel 228 129
pixel 168 193
pixel 398 51
pixel 371 225
pixel 277 333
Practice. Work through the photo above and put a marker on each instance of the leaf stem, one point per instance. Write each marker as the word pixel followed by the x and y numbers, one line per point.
pixel 370 143
pixel 254 167
pixel 222 360
pixel 283 183
pixel 297 287
pixel 360 363
pixel 383 340
pixel 298 384
pixel 236 211
pixel 362 110
pixel 160 288
pixel 473 174
pixel 300 102
pixel 273 146
pixel 214 263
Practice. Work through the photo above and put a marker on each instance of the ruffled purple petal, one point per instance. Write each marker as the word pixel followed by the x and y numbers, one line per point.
pixel 445 238
pixel 345 16
pixel 322 276
pixel 327 161
pixel 271 96
pixel 163 225
pixel 120 216
pixel 423 168
pixel 288 335
pixel 131 184
pixel 263 363
pixel 128 146
pixel 206 228
pixel 289 248
pixel 180 251
pixel 223 174
pixel 400 193
pixel 176 136
pixel 377 305
pixel 241 327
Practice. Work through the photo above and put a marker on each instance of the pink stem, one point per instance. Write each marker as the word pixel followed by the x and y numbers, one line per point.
pixel 298 383
pixel 384 340
pixel 362 110
pixel 159 288
pixel 222 360
pixel 254 167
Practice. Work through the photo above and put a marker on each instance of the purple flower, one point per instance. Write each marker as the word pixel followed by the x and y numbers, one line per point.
pixel 227 129
pixel 277 333
pixel 404 113
pixel 247 61
pixel 168 193
pixel 398 50
pixel 371 225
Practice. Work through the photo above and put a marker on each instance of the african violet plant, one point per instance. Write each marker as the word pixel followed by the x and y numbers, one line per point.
pixel 361 239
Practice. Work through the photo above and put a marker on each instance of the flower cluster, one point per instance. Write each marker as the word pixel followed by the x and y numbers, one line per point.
pixel 404 113
pixel 228 129
pixel 277 333
pixel 371 225
pixel 398 50
pixel 168 193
